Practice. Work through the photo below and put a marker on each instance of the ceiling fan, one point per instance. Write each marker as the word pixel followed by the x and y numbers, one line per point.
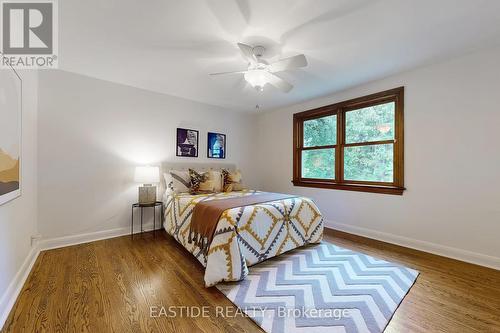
pixel 260 72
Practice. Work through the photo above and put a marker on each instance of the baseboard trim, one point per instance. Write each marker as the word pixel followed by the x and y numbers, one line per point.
pixel 442 250
pixel 10 296
pixel 54 243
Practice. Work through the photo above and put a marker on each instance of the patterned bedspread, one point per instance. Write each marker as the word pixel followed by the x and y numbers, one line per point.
pixel 246 235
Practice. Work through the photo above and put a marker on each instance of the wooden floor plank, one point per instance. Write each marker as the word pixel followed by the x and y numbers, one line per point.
pixel 111 285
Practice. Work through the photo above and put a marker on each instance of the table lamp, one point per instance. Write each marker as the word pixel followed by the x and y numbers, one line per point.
pixel 147 175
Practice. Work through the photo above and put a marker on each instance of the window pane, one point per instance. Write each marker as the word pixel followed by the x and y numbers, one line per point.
pixel 320 131
pixel 373 123
pixel 369 163
pixel 318 163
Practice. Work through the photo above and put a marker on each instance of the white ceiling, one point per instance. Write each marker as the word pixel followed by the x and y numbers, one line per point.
pixel 172 46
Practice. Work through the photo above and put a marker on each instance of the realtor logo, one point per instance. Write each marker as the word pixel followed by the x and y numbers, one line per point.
pixel 29 34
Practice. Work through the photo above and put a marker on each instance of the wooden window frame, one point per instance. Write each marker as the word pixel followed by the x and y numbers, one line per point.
pixel 396 187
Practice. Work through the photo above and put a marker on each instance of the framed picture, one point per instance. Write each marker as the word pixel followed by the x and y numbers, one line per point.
pixel 216 145
pixel 187 142
pixel 10 134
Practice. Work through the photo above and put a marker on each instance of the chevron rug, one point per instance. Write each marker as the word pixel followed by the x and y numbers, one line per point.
pixel 321 288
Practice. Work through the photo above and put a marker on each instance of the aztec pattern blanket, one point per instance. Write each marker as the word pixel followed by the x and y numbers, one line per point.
pixel 206 214
pixel 245 235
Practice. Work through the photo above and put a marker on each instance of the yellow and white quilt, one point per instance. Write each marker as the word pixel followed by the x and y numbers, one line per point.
pixel 245 235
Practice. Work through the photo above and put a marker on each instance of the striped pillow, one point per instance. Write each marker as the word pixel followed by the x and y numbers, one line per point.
pixel 181 181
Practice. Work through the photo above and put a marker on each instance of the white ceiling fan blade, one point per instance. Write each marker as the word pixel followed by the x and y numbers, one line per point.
pixel 247 52
pixel 277 82
pixel 288 63
pixel 231 15
pixel 234 72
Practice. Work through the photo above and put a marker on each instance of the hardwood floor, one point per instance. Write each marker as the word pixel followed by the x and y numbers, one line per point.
pixel 110 285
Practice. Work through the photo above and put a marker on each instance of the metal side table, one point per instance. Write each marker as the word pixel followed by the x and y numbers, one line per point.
pixel 147 205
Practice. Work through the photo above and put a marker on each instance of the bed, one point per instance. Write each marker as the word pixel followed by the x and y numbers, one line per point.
pixel 244 236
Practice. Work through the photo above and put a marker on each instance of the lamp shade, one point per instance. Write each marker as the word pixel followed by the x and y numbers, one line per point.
pixel 147 175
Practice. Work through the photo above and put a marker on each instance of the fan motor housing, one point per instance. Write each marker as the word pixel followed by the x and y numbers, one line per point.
pixel 258 50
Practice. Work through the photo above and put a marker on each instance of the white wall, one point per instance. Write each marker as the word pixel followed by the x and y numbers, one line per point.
pixel 93 133
pixel 18 218
pixel 452 162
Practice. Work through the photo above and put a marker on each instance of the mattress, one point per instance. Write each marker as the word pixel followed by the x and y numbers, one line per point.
pixel 244 235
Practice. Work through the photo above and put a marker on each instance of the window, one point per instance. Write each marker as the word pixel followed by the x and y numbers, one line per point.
pixel 353 145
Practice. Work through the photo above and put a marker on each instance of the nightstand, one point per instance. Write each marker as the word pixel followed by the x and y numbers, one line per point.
pixel 147 205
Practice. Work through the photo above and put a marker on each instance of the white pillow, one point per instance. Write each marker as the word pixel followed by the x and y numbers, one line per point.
pixel 169 182
pixel 181 181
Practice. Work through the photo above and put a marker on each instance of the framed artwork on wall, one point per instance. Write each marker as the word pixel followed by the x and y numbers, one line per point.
pixel 216 145
pixel 187 142
pixel 10 134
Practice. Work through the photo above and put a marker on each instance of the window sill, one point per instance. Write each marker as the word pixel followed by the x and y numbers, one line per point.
pixel 351 187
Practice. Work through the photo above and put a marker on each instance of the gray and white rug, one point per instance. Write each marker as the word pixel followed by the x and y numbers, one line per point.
pixel 321 288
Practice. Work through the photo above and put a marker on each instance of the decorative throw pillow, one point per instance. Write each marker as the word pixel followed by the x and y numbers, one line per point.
pixel 232 180
pixel 216 177
pixel 181 181
pixel 200 182
pixel 239 187
pixel 206 187
pixel 169 182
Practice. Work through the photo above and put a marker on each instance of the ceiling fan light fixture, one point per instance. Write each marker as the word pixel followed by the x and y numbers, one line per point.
pixel 256 78
pixel 260 72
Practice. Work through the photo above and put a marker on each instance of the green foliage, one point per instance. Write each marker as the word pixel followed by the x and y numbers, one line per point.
pixel 374 123
pixel 320 131
pixel 318 163
pixel 365 163
pixel 369 163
